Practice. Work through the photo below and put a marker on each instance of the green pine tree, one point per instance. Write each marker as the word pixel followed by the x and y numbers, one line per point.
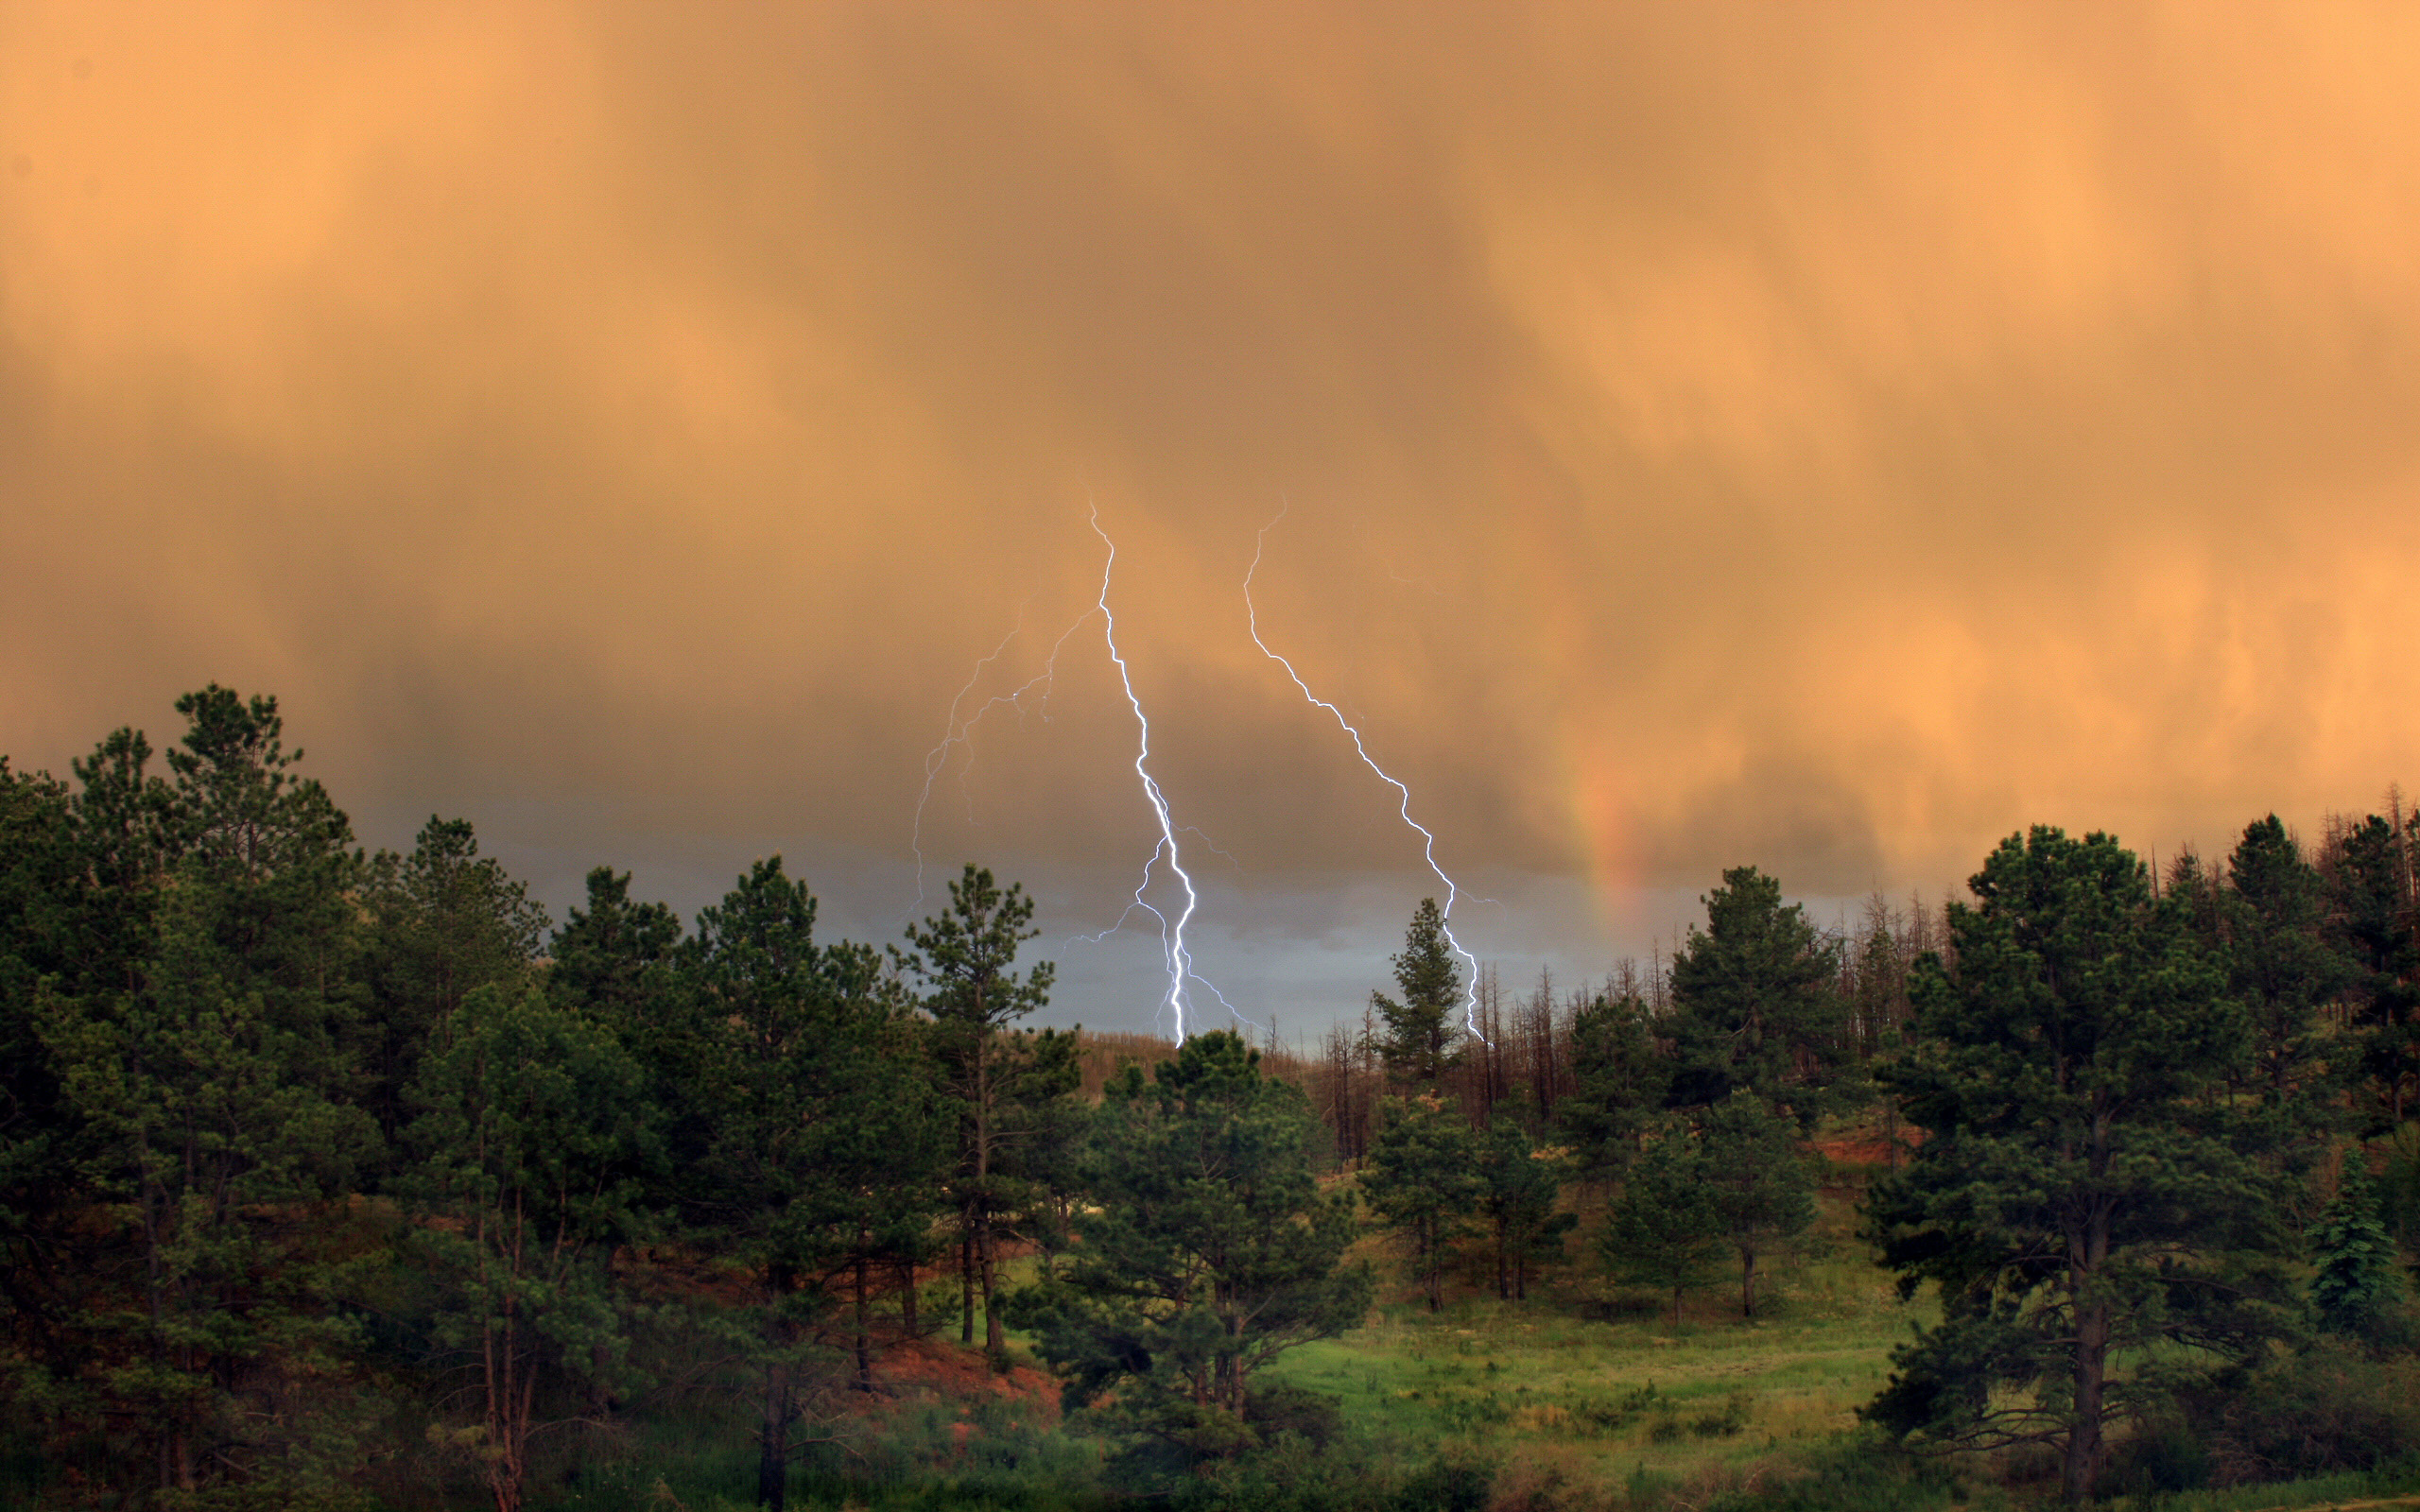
pixel 964 958
pixel 2088 1196
pixel 2358 1282
pixel 1423 1180
pixel 533 1127
pixel 1422 1038
pixel 1621 1075
pixel 443 922
pixel 1208 1252
pixel 1758 1180
pixel 1754 1005
pixel 824 1139
pixel 1518 1186
pixel 197 1038
pixel 1665 1231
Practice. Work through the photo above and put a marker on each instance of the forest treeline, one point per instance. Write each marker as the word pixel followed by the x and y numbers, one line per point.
pixel 331 1179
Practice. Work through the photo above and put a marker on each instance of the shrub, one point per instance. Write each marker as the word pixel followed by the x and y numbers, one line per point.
pixel 2329 1407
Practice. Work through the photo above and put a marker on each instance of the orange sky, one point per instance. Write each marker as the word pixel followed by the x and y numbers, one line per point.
pixel 1831 438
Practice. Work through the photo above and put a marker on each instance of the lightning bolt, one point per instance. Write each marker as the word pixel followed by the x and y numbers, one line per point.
pixel 1180 960
pixel 1428 850
pixel 958 729
pixel 961 731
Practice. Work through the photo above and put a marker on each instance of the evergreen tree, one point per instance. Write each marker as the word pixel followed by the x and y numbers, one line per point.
pixel 128 847
pixel 1424 1182
pixel 625 966
pixel 275 857
pixel 41 878
pixel 2358 1284
pixel 964 958
pixel 1621 1078
pixel 533 1121
pixel 194 1035
pixel 444 921
pixel 1754 1005
pixel 1208 1253
pixel 1519 1185
pixel 1663 1229
pixel 611 957
pixel 2088 1194
pixel 1758 1181
pixel 2283 968
pixel 1423 1041
pixel 210 1131
pixel 2369 902
pixel 825 1141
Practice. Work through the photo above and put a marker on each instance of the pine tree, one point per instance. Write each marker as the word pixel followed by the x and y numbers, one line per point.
pixel 533 1127
pixel 822 1140
pixel 1519 1185
pixel 443 922
pixel 1208 1253
pixel 199 1046
pixel 2358 1282
pixel 2282 967
pixel 1755 1003
pixel 1758 1180
pixel 42 884
pixel 1620 1077
pixel 2088 1194
pixel 964 958
pixel 2371 916
pixel 1423 1041
pixel 1663 1229
pixel 1424 1182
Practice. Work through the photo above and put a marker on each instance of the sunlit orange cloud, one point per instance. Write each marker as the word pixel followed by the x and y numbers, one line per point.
pixel 1829 438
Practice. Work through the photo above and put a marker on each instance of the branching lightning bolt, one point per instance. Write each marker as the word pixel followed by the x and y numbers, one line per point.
pixel 1428 850
pixel 1180 960
pixel 960 730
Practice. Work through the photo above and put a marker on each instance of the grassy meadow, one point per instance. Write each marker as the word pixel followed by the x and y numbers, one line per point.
pixel 1598 1382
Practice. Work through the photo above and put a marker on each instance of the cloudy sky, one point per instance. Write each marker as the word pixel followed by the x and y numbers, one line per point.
pixel 1830 438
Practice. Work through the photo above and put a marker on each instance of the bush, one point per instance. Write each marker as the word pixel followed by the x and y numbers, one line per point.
pixel 1448 1484
pixel 2165 1456
pixel 1281 1407
pixel 2330 1407
pixel 1361 1476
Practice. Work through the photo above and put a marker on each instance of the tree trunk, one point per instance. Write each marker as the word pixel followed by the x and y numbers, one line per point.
pixel 774 1443
pixel 1503 1267
pixel 994 1343
pixel 2083 1468
pixel 907 1300
pixel 864 1341
pixel 1747 1283
pixel 2087 1257
pixel 966 1280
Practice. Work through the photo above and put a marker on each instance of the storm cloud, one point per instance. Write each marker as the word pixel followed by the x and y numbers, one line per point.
pixel 1826 438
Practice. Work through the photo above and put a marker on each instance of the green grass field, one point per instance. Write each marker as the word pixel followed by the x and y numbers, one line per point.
pixel 1583 1384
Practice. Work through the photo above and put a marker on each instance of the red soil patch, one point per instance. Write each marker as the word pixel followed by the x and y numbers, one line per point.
pixel 929 1367
pixel 1868 1147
